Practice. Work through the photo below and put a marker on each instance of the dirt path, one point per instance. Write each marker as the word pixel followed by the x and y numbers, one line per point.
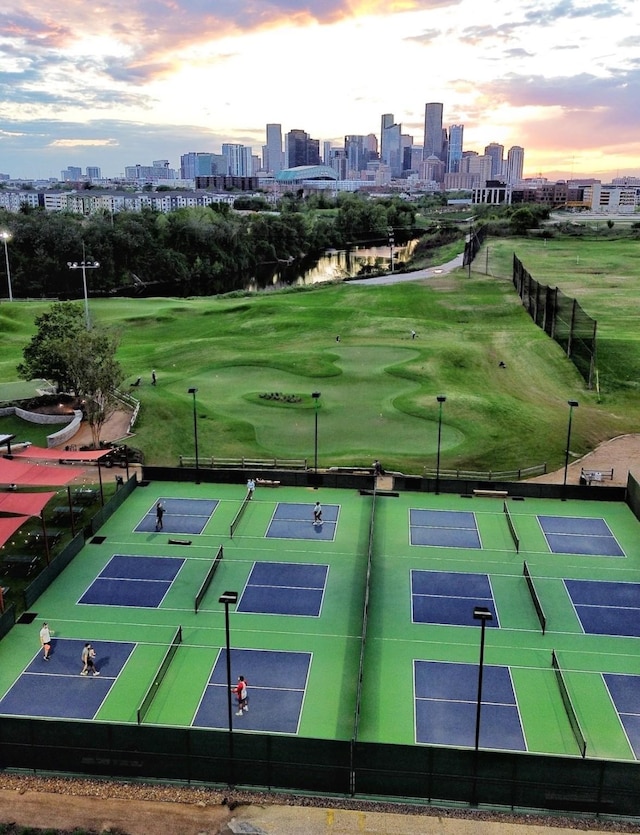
pixel 621 454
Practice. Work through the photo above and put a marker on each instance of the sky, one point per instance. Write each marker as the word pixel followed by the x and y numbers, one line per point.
pixel 112 84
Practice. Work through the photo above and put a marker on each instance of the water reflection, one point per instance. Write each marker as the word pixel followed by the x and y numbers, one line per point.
pixel 334 265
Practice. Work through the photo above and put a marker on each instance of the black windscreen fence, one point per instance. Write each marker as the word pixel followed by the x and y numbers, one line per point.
pixel 561 317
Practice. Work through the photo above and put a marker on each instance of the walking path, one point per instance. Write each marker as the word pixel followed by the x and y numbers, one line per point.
pixel 428 272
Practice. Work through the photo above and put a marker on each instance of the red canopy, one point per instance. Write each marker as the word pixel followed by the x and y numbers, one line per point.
pixel 43 454
pixel 24 504
pixel 9 525
pixel 26 473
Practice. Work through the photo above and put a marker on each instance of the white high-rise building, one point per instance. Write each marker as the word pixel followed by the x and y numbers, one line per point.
pixel 496 152
pixel 515 164
pixel 273 159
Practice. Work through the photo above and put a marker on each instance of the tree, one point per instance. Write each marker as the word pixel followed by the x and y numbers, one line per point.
pixel 96 375
pixel 44 356
pixel 78 361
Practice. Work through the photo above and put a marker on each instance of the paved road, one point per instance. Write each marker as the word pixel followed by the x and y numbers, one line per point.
pixel 429 272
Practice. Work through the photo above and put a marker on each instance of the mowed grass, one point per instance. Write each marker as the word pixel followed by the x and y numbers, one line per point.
pixel 604 275
pixel 378 386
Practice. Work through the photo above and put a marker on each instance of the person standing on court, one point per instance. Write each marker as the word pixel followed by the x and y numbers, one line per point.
pixel 88 661
pixel 159 515
pixel 242 695
pixel 317 514
pixel 45 641
pixel 251 487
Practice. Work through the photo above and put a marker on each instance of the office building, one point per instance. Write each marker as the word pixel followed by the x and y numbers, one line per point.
pixel 515 164
pixel 238 162
pixel 432 145
pixel 196 164
pixel 496 152
pixel 272 157
pixel 454 148
pixel 301 149
pixel 391 144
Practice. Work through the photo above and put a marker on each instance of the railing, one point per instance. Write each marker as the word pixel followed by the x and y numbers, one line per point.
pixel 246 463
pixel 491 475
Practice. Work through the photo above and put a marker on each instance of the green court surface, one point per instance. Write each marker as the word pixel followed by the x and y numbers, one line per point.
pixel 393 639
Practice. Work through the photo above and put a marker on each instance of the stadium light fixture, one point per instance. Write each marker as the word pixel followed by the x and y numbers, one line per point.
pixel 84 265
pixel 572 404
pixel 228 598
pixel 6 237
pixel 441 399
pixel 194 391
pixel 316 396
pixel 482 614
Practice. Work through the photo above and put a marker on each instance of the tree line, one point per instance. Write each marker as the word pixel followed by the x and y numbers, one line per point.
pixel 195 251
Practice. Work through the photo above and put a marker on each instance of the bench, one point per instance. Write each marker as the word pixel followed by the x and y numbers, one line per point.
pixel 267 482
pixel 590 476
pixel 492 494
pixel 63 512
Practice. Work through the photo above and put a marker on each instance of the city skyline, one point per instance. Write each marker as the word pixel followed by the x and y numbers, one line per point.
pixel 83 87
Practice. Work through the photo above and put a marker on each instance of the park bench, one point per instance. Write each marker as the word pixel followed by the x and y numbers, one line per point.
pixel 590 477
pixel 492 494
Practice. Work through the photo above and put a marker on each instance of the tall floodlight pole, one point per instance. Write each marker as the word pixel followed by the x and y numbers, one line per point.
pixel 482 614
pixel 84 265
pixel 6 237
pixel 391 243
pixel 572 404
pixel 194 391
pixel 441 399
pixel 316 396
pixel 228 598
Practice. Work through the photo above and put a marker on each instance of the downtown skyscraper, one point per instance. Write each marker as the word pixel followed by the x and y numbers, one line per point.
pixel 432 145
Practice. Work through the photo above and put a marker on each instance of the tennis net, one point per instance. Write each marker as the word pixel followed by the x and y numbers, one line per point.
pixel 534 596
pixel 149 696
pixel 207 580
pixel 568 706
pixel 236 519
pixel 512 529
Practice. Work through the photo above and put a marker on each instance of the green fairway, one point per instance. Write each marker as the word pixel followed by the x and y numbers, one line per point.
pixel 378 386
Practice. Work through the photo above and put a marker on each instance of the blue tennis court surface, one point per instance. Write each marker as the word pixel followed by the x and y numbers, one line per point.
pixel 55 689
pixel 276 684
pixel 578 535
pixel 448 597
pixel 180 516
pixel 445 528
pixel 605 607
pixel 625 695
pixel 294 520
pixel 446 698
pixel 133 581
pixel 280 588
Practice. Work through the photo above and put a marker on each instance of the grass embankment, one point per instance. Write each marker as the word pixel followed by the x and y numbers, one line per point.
pixel 378 386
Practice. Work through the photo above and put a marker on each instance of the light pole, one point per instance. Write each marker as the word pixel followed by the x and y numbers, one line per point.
pixel 228 598
pixel 441 399
pixel 194 391
pixel 482 614
pixel 391 243
pixel 6 237
pixel 571 403
pixel 84 265
pixel 316 397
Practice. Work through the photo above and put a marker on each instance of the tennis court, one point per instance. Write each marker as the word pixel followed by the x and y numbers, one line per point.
pixel 297 631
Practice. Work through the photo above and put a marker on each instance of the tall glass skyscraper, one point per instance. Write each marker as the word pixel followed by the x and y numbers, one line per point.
pixel 454 151
pixel 432 145
pixel 273 149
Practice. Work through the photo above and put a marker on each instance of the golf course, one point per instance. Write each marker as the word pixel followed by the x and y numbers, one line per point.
pixel 256 359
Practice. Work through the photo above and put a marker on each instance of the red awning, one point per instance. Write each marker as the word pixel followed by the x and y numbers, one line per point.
pixel 9 525
pixel 24 504
pixel 28 474
pixel 42 454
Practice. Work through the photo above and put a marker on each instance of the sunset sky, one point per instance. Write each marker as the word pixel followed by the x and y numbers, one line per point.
pixel 111 83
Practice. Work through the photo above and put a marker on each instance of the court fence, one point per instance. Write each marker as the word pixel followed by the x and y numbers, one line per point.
pixel 561 318
pixel 510 780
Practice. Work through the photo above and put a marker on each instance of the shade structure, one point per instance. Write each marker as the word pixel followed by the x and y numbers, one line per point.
pixel 28 474
pixel 36 453
pixel 24 504
pixel 9 525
